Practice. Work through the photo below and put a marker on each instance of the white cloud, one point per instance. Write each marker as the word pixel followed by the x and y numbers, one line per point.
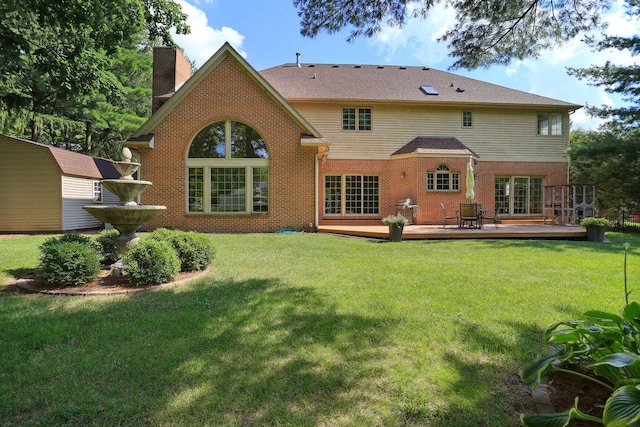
pixel 619 22
pixel 204 41
pixel 417 36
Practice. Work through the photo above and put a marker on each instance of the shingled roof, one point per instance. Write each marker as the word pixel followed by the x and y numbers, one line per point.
pixel 75 164
pixel 435 145
pixel 394 83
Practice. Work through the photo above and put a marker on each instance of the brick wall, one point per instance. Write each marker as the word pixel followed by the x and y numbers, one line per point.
pixel 229 93
pixel 394 186
pixel 170 69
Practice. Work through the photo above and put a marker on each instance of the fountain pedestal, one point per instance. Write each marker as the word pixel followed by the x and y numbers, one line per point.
pixel 127 216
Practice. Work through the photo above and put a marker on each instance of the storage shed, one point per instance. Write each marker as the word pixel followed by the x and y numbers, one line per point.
pixel 43 188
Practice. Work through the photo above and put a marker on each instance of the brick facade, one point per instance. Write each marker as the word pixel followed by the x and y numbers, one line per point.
pixel 229 93
pixel 230 90
pixel 395 186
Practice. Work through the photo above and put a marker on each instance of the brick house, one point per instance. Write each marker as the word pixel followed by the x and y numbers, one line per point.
pixel 231 149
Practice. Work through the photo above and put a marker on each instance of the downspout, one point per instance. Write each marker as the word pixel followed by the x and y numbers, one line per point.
pixel 316 189
pixel 319 155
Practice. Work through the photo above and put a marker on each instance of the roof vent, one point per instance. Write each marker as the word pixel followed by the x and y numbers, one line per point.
pixel 403 68
pixel 335 66
pixel 298 60
pixel 426 68
pixel 451 85
pixel 357 66
pixel 311 65
pixel 380 67
pixel 460 89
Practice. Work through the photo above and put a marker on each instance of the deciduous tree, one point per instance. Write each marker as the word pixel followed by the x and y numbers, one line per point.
pixel 59 60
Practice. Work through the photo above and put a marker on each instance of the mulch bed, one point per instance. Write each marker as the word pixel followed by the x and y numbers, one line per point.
pixel 564 388
pixel 105 284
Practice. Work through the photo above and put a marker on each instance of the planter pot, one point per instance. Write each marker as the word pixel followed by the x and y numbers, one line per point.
pixel 595 233
pixel 395 232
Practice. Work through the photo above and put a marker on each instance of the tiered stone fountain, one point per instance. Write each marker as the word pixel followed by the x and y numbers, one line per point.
pixel 127 216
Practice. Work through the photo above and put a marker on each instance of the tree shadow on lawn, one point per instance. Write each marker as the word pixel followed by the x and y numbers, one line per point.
pixel 255 352
pixel 488 380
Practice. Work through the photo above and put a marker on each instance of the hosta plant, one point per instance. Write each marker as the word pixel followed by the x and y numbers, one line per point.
pixel 606 345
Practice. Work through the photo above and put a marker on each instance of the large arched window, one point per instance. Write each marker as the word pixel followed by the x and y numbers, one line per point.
pixel 228 170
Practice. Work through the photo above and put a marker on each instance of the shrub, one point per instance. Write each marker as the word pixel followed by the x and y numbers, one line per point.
pixel 66 262
pixel 106 242
pixel 597 222
pixel 151 262
pixel 68 237
pixel 194 250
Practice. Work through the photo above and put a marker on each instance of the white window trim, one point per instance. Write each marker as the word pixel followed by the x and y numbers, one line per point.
pixel 98 190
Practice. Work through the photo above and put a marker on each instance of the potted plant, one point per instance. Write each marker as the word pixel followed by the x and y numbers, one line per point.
pixel 595 228
pixel 396 225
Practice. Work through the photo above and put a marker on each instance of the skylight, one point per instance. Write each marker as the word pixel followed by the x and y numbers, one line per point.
pixel 428 90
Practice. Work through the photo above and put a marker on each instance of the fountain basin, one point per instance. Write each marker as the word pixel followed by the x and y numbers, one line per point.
pixel 126 169
pixel 126 190
pixel 124 215
pixel 125 219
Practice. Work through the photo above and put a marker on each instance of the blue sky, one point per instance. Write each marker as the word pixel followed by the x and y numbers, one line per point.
pixel 267 33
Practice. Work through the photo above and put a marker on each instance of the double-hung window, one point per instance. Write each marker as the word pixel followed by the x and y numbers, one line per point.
pixel 442 179
pixel 550 124
pixel 358 119
pixel 352 194
pixel 467 119
pixel 228 170
pixel 97 191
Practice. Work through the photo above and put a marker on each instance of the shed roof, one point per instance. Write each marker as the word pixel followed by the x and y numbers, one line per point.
pixel 395 83
pixel 76 164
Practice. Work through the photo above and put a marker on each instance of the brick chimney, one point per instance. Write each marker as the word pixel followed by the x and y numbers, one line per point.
pixel 170 70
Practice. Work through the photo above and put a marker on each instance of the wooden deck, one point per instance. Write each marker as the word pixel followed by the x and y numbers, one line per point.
pixel 503 231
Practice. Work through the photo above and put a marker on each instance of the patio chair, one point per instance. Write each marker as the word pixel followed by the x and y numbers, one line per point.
pixel 446 217
pixel 470 214
pixel 495 215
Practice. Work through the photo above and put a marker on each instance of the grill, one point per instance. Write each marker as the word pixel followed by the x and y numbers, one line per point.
pixel 407 209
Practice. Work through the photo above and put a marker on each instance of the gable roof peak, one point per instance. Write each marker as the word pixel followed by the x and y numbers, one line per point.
pixel 225 51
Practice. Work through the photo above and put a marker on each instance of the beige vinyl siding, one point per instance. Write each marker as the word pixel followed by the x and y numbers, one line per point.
pixel 30 188
pixel 498 134
pixel 76 193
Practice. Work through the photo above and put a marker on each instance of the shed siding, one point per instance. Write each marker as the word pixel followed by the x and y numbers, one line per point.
pixel 76 193
pixel 497 134
pixel 31 198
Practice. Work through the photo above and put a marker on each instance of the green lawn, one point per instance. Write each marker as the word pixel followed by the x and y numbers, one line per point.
pixel 305 329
